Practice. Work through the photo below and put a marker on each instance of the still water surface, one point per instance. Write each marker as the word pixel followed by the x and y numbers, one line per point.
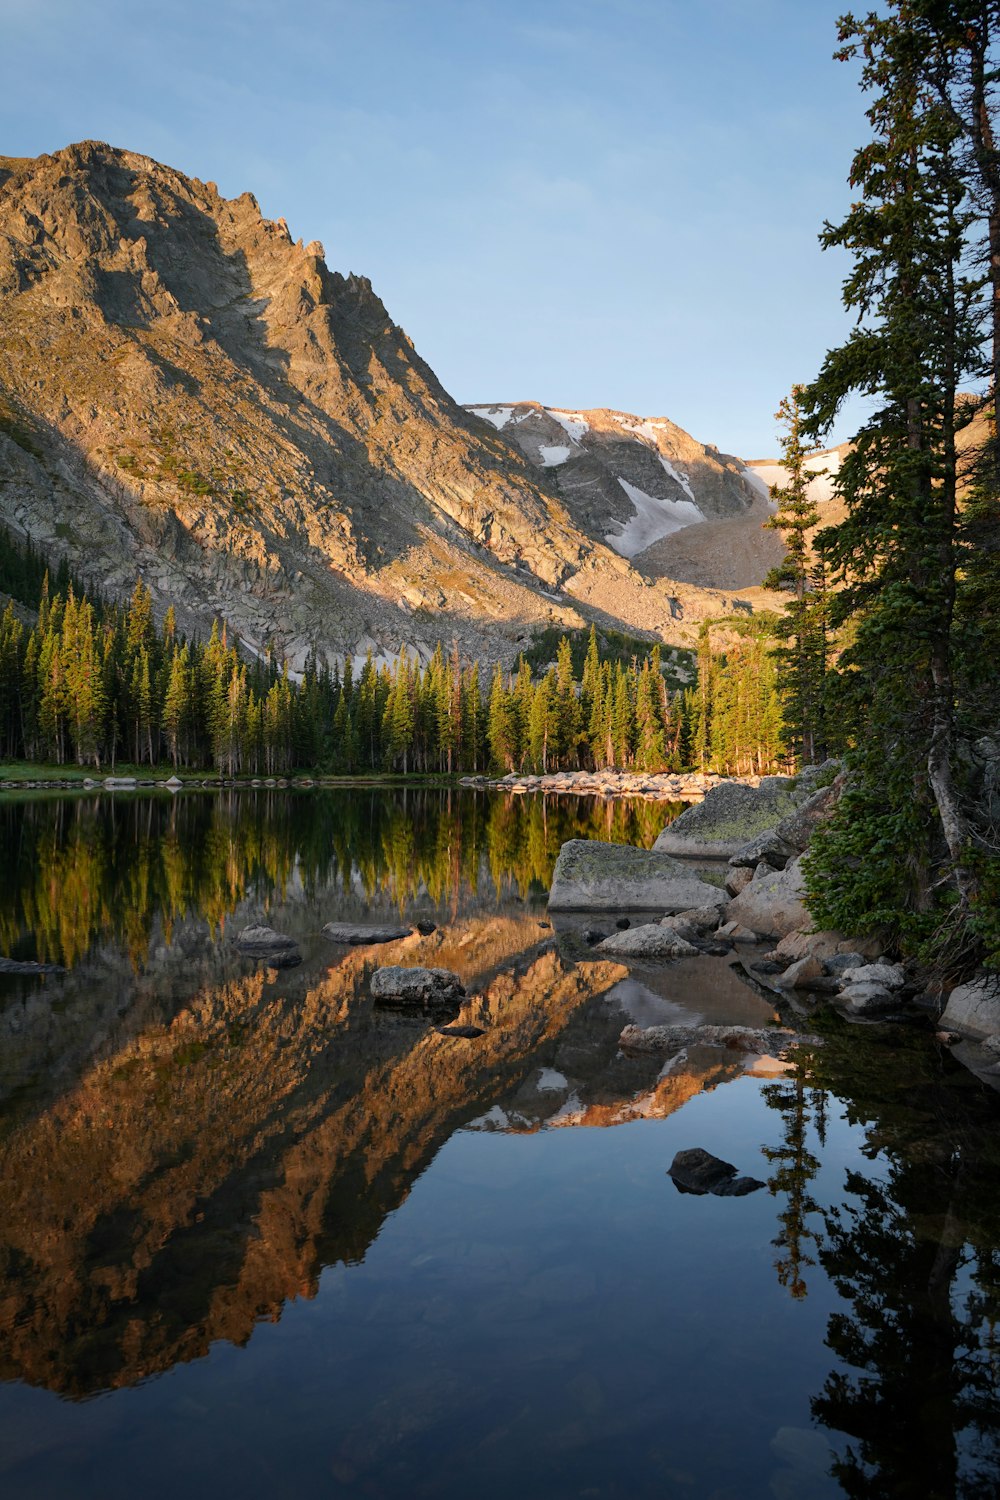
pixel 258 1238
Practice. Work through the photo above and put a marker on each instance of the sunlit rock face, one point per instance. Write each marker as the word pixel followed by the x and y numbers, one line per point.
pixel 633 479
pixel 189 395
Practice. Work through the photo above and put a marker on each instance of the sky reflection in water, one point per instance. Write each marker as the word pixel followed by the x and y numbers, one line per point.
pixel 294 1245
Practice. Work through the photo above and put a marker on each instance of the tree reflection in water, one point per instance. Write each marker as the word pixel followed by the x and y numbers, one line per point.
pixel 79 870
pixel 912 1248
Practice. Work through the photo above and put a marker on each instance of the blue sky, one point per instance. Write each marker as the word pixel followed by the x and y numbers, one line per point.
pixel 583 202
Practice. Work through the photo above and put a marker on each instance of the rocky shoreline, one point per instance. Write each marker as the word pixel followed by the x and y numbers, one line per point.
pixel 754 906
pixel 655 786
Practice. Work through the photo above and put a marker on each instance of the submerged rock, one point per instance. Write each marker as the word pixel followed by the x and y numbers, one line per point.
pixel 265 941
pixel 359 933
pixel 698 1171
pixel 592 876
pixel 28 966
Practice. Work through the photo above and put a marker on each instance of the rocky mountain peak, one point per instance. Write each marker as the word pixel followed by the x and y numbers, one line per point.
pixel 188 394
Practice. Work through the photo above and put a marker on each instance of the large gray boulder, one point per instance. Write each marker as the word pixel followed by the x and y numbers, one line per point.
pixel 772 904
pixel 729 816
pixel 767 847
pixel 974 1008
pixel 416 986
pixel 591 876
pixel 798 826
pixel 651 941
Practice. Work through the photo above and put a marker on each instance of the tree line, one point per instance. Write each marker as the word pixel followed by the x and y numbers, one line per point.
pixel 96 684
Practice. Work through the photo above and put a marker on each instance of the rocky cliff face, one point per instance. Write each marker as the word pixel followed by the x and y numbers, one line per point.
pixel 631 480
pixel 188 394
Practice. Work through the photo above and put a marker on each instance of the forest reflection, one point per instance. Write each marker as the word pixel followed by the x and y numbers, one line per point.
pixel 88 869
pixel 912 1246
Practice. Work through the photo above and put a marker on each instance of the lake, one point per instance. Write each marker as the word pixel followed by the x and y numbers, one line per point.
pixel 260 1237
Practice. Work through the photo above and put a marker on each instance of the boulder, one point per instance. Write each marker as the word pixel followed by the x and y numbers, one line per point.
pixel 798 975
pixel 974 1008
pixel 737 880
pixel 799 825
pixel 265 941
pixel 592 876
pixel 664 1039
pixel 698 1171
pixel 360 933
pixel 736 933
pixel 729 815
pixel 702 918
pixel 416 986
pixel 768 847
pixel 772 905
pixel 649 941
pixel 889 976
pixel 683 928
pixel 823 944
pixel 839 963
pixel 867 999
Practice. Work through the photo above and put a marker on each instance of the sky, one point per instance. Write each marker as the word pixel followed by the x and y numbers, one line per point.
pixel 581 202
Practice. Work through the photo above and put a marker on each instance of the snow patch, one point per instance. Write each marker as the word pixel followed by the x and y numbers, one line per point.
pixel 653 520
pixel 553 455
pixel 679 478
pixel 767 473
pixel 498 415
pixel 573 423
pixel 548 1078
pixel 647 429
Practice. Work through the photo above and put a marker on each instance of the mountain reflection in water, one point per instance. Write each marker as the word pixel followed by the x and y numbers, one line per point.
pixel 468 1288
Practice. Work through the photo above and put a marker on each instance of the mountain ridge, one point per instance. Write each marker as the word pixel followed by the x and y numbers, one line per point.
pixel 188 395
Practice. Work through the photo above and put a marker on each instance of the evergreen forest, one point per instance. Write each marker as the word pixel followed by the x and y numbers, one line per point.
pixel 96 684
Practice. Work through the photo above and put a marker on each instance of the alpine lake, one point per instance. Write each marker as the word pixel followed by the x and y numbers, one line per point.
pixel 260 1237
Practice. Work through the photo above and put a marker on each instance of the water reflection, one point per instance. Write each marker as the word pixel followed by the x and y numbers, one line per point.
pixel 87 869
pixel 911 1246
pixel 467 1271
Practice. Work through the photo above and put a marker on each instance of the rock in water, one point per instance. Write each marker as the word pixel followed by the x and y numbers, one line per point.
pixel 416 986
pixel 974 1008
pixel 648 941
pixel 591 876
pixel 698 1171
pixel 265 941
pixel 360 933
pixel 28 966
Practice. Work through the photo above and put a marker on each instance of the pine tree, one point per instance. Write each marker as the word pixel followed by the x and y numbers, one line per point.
pixel 803 659
pixel 898 552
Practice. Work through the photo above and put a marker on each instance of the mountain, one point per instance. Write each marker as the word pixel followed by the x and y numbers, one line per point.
pixel 676 508
pixel 188 394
